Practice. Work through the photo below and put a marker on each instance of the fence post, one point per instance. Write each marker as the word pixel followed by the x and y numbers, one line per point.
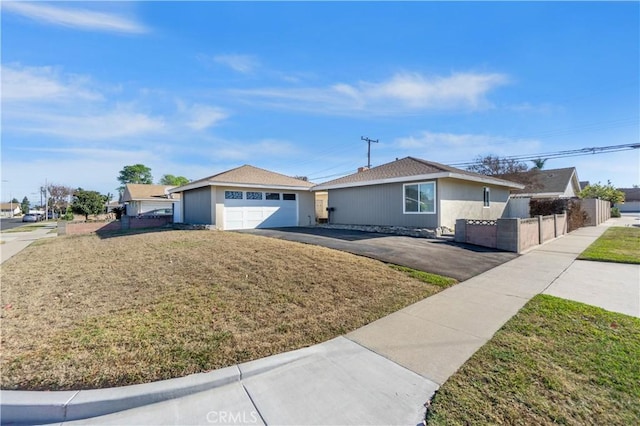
pixel 540 235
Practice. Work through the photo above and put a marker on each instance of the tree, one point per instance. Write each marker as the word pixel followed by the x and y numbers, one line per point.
pixel 304 178
pixel 538 163
pixel 24 206
pixel 15 201
pixel 604 192
pixel 138 173
pixel 173 180
pixel 87 202
pixel 59 197
pixel 492 165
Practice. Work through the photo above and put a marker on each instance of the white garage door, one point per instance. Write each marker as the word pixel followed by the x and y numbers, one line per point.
pixel 252 209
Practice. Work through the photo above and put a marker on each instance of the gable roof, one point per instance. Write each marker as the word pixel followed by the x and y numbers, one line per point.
pixel 410 168
pixel 8 206
pixel 142 192
pixel 552 182
pixel 248 176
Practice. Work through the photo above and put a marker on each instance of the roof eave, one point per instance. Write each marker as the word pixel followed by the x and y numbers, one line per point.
pixel 430 176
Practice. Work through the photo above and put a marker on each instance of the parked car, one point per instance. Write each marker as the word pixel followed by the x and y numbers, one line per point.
pixel 30 217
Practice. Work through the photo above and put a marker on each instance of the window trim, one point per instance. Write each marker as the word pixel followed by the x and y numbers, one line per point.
pixel 486 197
pixel 435 197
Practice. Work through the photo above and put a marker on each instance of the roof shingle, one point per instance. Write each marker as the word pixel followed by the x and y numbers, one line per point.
pixel 250 175
pixel 408 167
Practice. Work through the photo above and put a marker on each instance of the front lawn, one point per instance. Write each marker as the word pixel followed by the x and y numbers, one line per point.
pixel 555 362
pixel 87 312
pixel 617 244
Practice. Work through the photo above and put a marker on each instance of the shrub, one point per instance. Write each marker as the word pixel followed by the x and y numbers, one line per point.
pixel 68 215
pixel 615 212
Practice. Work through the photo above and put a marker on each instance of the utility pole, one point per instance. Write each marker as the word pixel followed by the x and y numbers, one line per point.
pixel 368 141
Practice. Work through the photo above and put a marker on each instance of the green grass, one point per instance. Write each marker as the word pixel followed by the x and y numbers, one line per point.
pixel 617 244
pixel 555 362
pixel 426 277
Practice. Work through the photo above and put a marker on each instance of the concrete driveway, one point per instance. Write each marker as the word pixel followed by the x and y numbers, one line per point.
pixel 459 261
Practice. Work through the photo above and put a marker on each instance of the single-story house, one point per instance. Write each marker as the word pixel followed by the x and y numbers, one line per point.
pixel 247 197
pixel 631 200
pixel 140 199
pixel 415 193
pixel 10 209
pixel 551 183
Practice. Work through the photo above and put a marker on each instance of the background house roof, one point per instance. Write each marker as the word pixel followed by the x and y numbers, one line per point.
pixel 409 167
pixel 551 181
pixel 139 191
pixel 631 194
pixel 249 175
pixel 9 206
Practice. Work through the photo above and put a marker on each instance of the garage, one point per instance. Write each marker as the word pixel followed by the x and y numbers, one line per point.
pixel 248 197
pixel 255 209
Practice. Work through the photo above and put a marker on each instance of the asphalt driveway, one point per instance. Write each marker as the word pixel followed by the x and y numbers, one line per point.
pixel 459 261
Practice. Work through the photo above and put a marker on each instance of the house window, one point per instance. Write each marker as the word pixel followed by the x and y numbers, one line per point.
pixel 233 195
pixel 289 197
pixel 272 196
pixel 486 197
pixel 254 195
pixel 420 198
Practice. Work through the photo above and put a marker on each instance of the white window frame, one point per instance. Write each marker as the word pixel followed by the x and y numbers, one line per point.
pixel 435 197
pixel 486 197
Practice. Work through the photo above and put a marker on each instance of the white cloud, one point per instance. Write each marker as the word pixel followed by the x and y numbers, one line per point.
pixel 109 125
pixel 43 83
pixel 201 117
pixel 82 19
pixel 240 63
pixel 403 92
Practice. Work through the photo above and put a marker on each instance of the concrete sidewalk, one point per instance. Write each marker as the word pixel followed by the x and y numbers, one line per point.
pixel 379 374
pixel 14 242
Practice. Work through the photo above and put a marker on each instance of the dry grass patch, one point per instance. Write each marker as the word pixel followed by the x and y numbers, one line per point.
pixel 84 312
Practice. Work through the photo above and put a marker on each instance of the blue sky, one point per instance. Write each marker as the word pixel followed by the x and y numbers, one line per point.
pixel 196 88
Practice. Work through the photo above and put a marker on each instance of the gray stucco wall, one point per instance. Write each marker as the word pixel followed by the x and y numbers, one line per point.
pixel 197 206
pixel 376 205
pixel 465 200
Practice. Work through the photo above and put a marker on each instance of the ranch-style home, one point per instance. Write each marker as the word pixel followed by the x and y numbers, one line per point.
pixel 413 192
pixel 141 199
pixel 247 197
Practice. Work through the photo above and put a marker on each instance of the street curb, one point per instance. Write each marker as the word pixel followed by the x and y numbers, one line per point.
pixel 31 407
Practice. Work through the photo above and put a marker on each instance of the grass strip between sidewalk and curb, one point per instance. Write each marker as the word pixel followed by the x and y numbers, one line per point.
pixel 616 244
pixel 555 362
pixel 25 228
pixel 96 312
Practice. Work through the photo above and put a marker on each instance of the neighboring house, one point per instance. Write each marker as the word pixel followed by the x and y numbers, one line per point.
pixel 415 193
pixel 551 183
pixel 631 200
pixel 140 199
pixel 247 197
pixel 10 209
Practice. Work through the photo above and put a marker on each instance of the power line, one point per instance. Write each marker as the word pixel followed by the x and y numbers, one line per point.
pixel 561 154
